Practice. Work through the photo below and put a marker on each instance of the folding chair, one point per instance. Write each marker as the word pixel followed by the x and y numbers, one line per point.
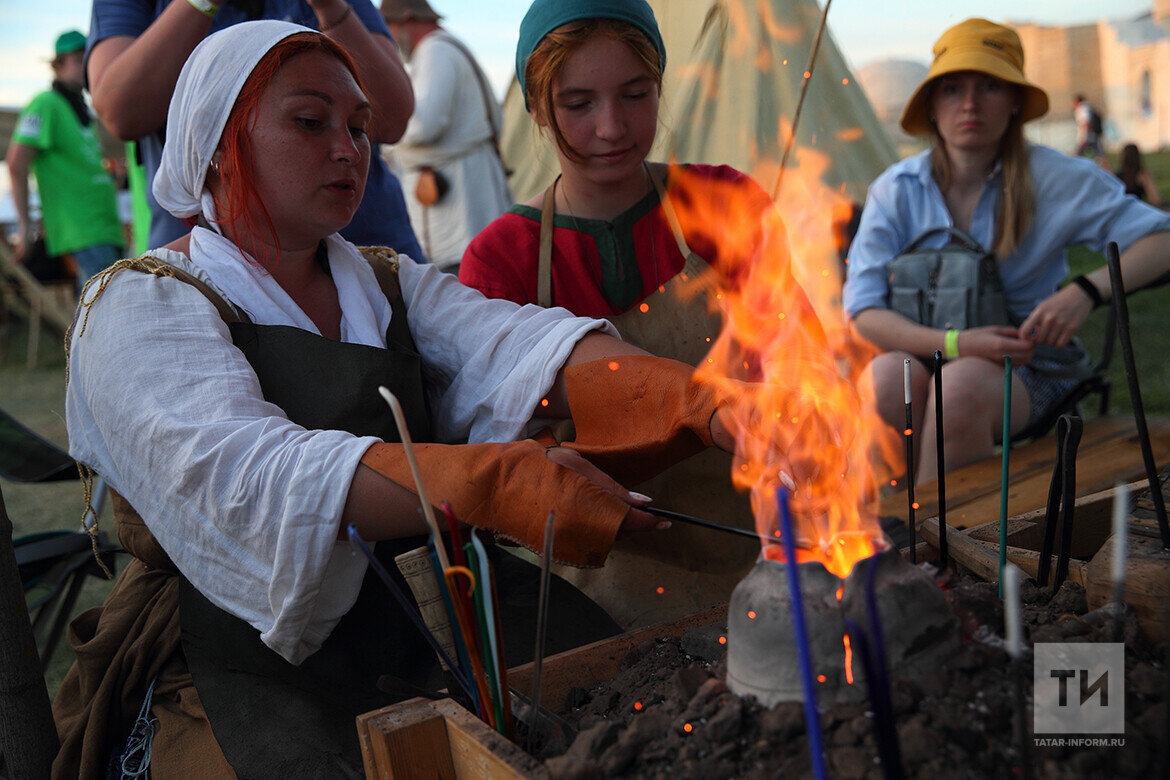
pixel 53 565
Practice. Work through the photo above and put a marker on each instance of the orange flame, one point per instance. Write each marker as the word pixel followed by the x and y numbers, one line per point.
pixel 786 362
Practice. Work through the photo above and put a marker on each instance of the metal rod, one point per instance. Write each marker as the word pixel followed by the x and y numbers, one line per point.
pixel 908 435
pixel 812 58
pixel 727 529
pixel 940 460
pixel 1121 310
pixel 1003 480
pixel 1068 490
pixel 542 614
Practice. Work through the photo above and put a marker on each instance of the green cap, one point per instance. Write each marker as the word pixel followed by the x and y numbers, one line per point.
pixel 544 16
pixel 68 42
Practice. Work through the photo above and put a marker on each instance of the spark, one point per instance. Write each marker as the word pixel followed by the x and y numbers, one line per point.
pixel 614 365
pixel 751 614
pixel 544 402
pixel 688 728
pixel 645 307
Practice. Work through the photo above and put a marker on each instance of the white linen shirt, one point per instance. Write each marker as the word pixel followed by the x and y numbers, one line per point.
pixel 247 504
pixel 1076 203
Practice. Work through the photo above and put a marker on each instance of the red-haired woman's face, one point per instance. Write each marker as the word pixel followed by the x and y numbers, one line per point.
pixel 606 105
pixel 310 151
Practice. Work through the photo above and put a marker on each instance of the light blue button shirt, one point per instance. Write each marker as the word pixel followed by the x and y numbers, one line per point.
pixel 1077 202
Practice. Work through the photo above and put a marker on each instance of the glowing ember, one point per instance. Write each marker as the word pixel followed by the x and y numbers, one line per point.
pixel 613 365
pixel 660 590
pixel 638 706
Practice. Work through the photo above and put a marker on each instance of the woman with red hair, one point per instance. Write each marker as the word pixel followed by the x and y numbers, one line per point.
pixel 225 386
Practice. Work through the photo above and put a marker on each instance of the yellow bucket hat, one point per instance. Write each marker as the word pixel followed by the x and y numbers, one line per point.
pixel 984 47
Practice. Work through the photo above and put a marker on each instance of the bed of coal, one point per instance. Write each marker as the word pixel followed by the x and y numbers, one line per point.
pixel 668 713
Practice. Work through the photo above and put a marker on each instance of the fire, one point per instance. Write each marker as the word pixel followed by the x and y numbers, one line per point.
pixel 786 354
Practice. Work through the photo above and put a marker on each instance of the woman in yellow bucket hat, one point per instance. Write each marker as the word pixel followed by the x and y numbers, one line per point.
pixel 1025 203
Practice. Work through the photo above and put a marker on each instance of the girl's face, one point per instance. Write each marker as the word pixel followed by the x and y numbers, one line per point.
pixel 605 102
pixel 310 153
pixel 972 110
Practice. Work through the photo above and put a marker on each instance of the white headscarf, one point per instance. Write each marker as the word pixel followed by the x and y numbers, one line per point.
pixel 204 97
pixel 205 93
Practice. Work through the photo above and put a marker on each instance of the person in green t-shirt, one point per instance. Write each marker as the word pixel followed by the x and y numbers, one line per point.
pixel 55 141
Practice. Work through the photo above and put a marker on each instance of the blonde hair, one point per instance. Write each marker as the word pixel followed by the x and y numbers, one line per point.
pixel 1017 203
pixel 548 60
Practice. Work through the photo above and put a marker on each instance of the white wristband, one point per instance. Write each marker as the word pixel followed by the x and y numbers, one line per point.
pixel 205 7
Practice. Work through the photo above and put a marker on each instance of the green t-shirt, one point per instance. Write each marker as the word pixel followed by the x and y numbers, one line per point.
pixel 78 206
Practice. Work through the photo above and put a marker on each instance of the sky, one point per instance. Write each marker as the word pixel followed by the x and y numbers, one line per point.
pixel 865 30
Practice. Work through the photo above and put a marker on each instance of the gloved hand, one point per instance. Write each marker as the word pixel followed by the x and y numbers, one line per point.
pixel 635 415
pixel 509 489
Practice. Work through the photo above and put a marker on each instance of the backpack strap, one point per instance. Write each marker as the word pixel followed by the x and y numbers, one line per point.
pixel 957 236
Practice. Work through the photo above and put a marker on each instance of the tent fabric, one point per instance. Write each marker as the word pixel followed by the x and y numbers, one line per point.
pixel 731 89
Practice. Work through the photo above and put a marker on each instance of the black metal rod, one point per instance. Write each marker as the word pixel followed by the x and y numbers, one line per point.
pixel 908 435
pixel 1068 489
pixel 1121 309
pixel 941 461
pixel 727 529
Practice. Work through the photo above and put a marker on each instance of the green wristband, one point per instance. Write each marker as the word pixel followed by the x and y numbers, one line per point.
pixel 951 344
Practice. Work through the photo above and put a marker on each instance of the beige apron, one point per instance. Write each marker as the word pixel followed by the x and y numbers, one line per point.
pixel 695 567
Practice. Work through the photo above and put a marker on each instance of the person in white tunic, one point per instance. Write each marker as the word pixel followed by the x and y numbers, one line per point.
pixel 202 382
pixel 452 135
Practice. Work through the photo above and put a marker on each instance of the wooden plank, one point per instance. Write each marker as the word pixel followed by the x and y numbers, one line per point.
pixel 982 558
pixel 406 741
pixel 1147 583
pixel 582 666
pixel 1109 453
pixel 478 751
pixel 422 739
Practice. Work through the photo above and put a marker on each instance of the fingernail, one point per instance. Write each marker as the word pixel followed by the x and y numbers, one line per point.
pixel 662 525
pixel 640 497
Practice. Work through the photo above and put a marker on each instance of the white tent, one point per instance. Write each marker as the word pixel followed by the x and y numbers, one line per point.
pixel 733 77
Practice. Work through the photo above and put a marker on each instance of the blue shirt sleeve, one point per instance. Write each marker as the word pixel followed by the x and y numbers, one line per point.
pixel 1093 203
pixel 878 240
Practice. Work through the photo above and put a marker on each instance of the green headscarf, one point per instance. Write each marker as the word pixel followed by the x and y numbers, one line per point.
pixel 544 16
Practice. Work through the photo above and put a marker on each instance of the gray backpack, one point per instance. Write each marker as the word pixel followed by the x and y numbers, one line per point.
pixel 955 287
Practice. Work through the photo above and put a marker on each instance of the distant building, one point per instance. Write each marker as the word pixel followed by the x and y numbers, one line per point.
pixel 1121 67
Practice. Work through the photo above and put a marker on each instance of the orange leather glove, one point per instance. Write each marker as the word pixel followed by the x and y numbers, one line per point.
pixel 636 415
pixel 509 489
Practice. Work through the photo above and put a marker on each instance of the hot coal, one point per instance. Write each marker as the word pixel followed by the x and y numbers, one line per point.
pixel 954 721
